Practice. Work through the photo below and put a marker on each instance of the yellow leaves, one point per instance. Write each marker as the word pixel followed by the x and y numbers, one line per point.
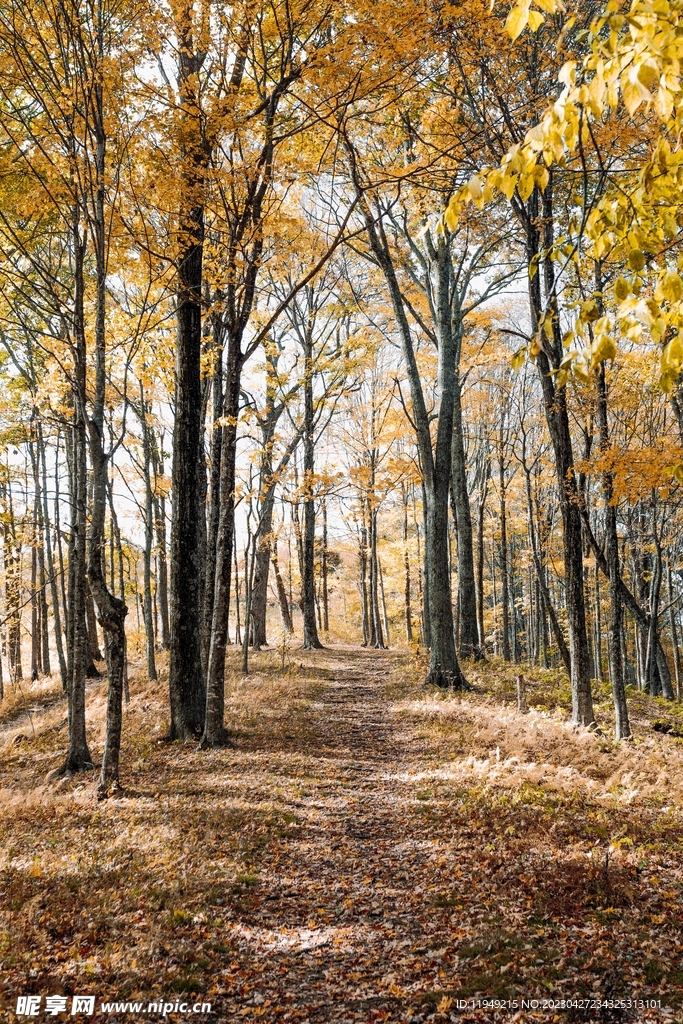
pixel 636 259
pixel 517 20
pixel 602 244
pixel 532 350
pixel 634 92
pixel 597 93
pixel 518 357
pixel 581 361
pixel 633 56
pixel 646 311
pixel 602 349
pixel 639 470
pixel 567 74
pixel 479 190
pixel 507 185
pixel 451 215
pixel 547 325
pixel 541 177
pixel 589 311
pixel 474 187
pixel 672 355
pixel 525 185
pixel 534 138
pixel 522 15
pixel 647 72
pixel 664 103
pixel 671 362
pixel 622 289
pixel 669 287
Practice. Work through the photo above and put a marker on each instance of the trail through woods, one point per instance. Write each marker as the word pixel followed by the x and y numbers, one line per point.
pixel 364 851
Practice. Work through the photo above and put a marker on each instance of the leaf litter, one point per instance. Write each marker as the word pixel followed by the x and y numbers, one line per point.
pixel 363 851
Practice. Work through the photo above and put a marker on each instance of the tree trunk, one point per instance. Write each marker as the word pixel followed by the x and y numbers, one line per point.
pixel 616 667
pixel 311 640
pixel 63 573
pixel 78 755
pixel 44 653
pixel 215 453
pixel 363 578
pixel 323 571
pixel 12 553
pixel 435 460
pixel 598 627
pixel 408 618
pixel 557 417
pixel 504 573
pixel 543 586
pixel 514 630
pixel 162 564
pixel 186 680
pixel 259 597
pixel 468 633
pixel 479 579
pixel 268 478
pixel 111 610
pixel 94 652
pixel 642 619
pixel 238 635
pixel 385 617
pixel 285 613
pixel 214 729
pixel 674 633
pixel 35 612
pixel 439 607
pixel 249 560
pixel 421 582
pixel 657 674
pixel 149 540
pixel 56 615
pixel 376 621
pixel 444 669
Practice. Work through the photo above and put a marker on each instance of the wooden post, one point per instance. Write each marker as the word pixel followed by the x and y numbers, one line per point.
pixel 521 694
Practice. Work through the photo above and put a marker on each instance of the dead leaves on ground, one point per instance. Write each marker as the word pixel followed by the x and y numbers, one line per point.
pixel 365 852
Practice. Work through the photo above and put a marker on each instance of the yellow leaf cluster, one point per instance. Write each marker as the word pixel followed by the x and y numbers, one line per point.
pixel 522 14
pixel 634 59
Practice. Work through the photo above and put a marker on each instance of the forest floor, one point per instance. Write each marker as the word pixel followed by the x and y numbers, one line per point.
pixel 365 851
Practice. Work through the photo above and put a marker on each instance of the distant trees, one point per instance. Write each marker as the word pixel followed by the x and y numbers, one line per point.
pixel 270 275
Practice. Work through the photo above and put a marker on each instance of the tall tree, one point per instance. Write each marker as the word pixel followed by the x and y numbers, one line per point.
pixel 186 679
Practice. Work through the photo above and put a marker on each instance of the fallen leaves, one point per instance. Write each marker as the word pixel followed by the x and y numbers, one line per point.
pixel 366 851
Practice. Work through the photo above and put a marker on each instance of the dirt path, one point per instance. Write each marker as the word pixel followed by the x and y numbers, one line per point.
pixel 333 927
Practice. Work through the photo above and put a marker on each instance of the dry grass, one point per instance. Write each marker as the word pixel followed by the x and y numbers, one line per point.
pixel 24 699
pixel 500 747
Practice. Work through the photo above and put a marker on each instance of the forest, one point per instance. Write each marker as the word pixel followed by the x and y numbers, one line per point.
pixel 341 481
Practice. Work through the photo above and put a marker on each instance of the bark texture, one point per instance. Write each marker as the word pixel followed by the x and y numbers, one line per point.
pixel 186 678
